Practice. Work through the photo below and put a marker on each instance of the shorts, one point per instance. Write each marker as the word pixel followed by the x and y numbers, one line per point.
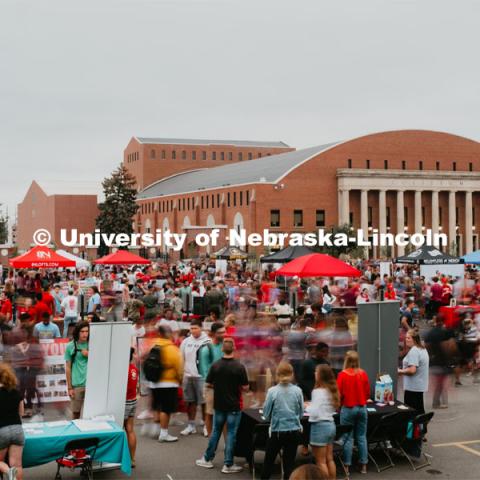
pixel 322 433
pixel 78 398
pixel 208 395
pixel 193 390
pixel 130 408
pixel 11 435
pixel 165 400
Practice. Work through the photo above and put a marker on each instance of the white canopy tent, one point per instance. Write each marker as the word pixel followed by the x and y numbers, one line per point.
pixel 80 262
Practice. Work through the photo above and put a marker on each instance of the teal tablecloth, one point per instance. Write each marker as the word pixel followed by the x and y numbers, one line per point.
pixel 49 445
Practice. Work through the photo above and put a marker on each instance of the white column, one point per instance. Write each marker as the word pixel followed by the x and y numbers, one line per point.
pixel 435 212
pixel 345 207
pixel 468 222
pixel 382 211
pixel 400 220
pixel 418 211
pixel 452 231
pixel 364 211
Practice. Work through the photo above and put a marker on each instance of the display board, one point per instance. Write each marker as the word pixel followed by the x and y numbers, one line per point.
pixel 378 334
pixel 107 374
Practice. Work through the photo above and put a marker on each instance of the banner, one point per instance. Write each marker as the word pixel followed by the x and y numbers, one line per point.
pixel 52 384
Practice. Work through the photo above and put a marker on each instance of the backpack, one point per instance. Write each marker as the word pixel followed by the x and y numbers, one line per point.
pixel 210 354
pixel 152 366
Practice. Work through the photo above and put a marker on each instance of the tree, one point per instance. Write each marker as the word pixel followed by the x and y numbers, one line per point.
pixel 352 249
pixel 3 228
pixel 119 206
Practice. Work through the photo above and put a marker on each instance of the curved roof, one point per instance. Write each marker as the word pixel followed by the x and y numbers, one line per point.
pixel 261 170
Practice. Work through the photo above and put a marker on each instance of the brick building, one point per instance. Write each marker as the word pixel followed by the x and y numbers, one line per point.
pixel 400 181
pixel 60 208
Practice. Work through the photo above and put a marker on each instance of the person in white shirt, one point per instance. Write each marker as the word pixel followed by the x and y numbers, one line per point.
pixel 70 308
pixel 325 401
pixel 193 382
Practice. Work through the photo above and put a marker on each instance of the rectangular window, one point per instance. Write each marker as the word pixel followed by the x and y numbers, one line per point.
pixel 202 201
pixel 234 199
pixel 164 154
pixel 241 198
pixel 350 218
pixel 320 218
pixel 368 164
pixel 218 200
pixel 349 163
pixel 370 216
pixel 228 199
pixel 213 201
pixel 405 216
pixel 423 216
pixel 206 200
pixel 188 203
pixel 240 156
pixel 174 155
pixel 298 218
pixel 250 155
pixel 204 155
pixel 454 166
pixel 222 156
pixel 420 165
pixel 385 164
pixel 437 165
pixel 274 218
pixel 178 204
pixel 230 155
pixel 194 155
pixel 171 205
pixel 470 166
pixel 456 216
pixel 247 196
pixel 183 204
pixel 152 153
pixel 184 155
pixel 404 165
pixel 214 155
pixel 388 217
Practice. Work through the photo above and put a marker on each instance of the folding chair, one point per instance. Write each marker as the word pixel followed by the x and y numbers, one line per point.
pixel 378 438
pixel 420 421
pixel 79 454
pixel 338 445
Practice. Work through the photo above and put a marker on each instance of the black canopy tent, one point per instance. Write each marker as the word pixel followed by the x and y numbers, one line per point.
pixel 230 253
pixel 428 255
pixel 286 255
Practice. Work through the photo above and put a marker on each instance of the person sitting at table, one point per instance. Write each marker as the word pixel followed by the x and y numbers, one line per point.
pixel 415 367
pixel 284 409
pixel 12 438
pixel 325 401
pixel 76 356
pixel 354 389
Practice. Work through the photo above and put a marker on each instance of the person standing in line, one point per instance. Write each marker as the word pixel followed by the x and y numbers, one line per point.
pixel 131 406
pixel 46 329
pixel 325 401
pixel 193 381
pixel 415 369
pixel 354 388
pixel 228 377
pixel 284 409
pixel 69 307
pixel 208 354
pixel 12 438
pixel 76 356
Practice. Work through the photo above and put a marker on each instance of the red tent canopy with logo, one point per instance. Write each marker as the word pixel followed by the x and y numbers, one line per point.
pixel 317 265
pixel 41 257
pixel 122 257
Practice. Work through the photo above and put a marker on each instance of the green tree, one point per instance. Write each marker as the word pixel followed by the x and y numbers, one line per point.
pixel 3 228
pixel 119 207
pixel 352 249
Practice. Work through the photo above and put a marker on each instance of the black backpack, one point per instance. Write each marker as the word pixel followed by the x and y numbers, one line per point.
pixel 152 366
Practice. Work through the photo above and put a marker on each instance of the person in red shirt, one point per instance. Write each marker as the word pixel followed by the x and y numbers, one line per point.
pixel 354 389
pixel 5 307
pixel 48 299
pixel 390 293
pixel 446 291
pixel 131 406
pixel 40 308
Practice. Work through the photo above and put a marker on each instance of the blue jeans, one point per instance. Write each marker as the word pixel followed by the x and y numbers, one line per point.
pixel 67 321
pixel 357 417
pixel 232 419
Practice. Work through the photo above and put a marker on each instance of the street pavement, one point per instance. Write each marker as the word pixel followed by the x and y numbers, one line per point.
pixel 453 440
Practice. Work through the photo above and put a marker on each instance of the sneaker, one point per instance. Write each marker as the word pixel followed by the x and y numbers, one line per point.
pixel 12 473
pixel 231 469
pixel 205 431
pixel 167 438
pixel 190 430
pixel 145 415
pixel 204 463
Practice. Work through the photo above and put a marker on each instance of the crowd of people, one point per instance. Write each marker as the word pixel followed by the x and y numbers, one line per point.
pixel 211 343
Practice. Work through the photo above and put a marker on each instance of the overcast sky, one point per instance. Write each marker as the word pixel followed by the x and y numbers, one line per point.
pixel 79 78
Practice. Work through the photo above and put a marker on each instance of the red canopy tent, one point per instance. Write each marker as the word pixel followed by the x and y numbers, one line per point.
pixel 317 265
pixel 41 257
pixel 122 257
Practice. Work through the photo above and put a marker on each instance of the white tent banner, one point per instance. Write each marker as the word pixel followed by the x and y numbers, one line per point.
pixel 430 271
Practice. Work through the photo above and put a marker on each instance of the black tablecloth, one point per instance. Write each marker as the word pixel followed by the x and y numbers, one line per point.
pixel 252 417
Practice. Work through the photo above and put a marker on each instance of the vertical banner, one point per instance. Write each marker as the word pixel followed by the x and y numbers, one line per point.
pixel 52 384
pixel 107 373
